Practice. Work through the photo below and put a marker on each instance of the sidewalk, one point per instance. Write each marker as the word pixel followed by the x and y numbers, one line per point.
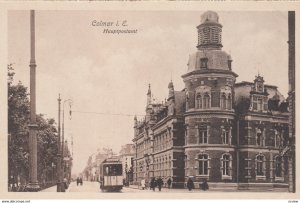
pixel 49 189
pixel 52 189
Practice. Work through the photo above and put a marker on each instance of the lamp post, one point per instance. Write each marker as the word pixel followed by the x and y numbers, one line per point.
pixel 33 182
pixel 60 187
pixel 63 131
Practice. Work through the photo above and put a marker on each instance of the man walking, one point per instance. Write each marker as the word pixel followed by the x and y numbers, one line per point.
pixel 190 184
pixel 169 183
pixel 153 184
pixel 159 183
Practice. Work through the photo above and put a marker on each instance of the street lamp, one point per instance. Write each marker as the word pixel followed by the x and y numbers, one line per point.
pixel 63 129
pixel 60 186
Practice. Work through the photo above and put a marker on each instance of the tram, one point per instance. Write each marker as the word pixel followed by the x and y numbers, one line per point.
pixel 111 178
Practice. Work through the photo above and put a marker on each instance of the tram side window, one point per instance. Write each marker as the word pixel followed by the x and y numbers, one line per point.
pixel 113 170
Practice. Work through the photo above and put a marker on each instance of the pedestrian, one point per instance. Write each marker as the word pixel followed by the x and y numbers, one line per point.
pixel 65 181
pixel 153 184
pixel 204 185
pixel 143 183
pixel 81 182
pixel 190 184
pixel 77 180
pixel 169 183
pixel 159 183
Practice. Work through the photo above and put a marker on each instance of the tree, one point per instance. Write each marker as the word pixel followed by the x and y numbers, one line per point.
pixel 18 118
pixel 18 151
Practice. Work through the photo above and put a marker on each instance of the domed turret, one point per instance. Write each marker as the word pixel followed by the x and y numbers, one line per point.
pixel 209 31
pixel 209 54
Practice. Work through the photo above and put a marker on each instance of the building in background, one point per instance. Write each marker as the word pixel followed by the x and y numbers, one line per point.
pixel 158 140
pixel 229 134
pixel 126 157
pixel 92 170
pixel 67 162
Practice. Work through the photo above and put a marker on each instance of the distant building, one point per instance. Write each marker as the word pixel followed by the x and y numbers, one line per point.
pixel 92 170
pixel 230 134
pixel 126 157
pixel 67 162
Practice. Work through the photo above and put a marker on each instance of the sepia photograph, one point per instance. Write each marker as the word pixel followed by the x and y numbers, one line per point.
pixel 151 101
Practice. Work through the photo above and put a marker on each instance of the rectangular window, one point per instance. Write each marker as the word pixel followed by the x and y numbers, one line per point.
pixel 259 104
pixel 278 167
pixel 225 137
pixel 203 63
pixel 203 165
pixel 254 103
pixel 260 166
pixel 265 104
pixel 203 136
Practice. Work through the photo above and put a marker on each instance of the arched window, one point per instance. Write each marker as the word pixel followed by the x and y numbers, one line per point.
pixel 206 101
pixel 203 164
pixel 260 165
pixel 278 166
pixel 229 102
pixel 226 165
pixel 223 101
pixel 198 101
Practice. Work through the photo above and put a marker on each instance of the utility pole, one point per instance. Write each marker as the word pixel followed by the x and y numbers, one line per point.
pixel 33 182
pixel 291 100
pixel 60 186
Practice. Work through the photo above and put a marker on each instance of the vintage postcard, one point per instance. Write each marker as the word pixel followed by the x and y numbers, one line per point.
pixel 149 100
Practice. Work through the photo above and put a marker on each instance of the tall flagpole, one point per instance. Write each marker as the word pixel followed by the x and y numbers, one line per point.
pixel 33 182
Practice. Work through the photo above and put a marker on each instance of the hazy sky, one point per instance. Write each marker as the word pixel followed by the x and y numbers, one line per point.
pixel 109 73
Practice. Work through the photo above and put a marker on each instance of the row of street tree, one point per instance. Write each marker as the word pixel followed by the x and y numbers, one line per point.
pixel 18 150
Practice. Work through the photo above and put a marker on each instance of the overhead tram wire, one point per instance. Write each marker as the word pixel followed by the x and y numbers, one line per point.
pixel 105 113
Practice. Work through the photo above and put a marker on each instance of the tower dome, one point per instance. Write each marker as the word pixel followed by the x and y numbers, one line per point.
pixel 210 16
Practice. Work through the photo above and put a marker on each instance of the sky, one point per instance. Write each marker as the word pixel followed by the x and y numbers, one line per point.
pixel 108 74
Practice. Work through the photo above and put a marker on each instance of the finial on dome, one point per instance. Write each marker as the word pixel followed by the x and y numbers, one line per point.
pixel 171 90
pixel 171 86
pixel 149 90
pixel 149 95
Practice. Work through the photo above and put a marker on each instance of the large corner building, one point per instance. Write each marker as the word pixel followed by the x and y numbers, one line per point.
pixel 230 134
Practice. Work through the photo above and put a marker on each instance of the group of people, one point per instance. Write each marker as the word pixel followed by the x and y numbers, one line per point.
pixel 155 182
pixel 190 185
pixel 79 181
pixel 158 182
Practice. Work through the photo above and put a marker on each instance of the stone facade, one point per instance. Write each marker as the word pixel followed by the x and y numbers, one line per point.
pixel 229 134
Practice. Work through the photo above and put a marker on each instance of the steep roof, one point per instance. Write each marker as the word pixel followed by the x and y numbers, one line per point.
pixel 243 89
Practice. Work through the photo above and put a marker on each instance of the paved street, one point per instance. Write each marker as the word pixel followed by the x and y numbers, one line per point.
pixel 94 187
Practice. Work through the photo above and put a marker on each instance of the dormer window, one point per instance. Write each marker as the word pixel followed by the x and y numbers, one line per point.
pixel 203 63
pixel 229 64
pixel 260 103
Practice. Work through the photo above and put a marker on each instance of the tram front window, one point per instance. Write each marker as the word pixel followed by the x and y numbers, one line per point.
pixel 113 170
